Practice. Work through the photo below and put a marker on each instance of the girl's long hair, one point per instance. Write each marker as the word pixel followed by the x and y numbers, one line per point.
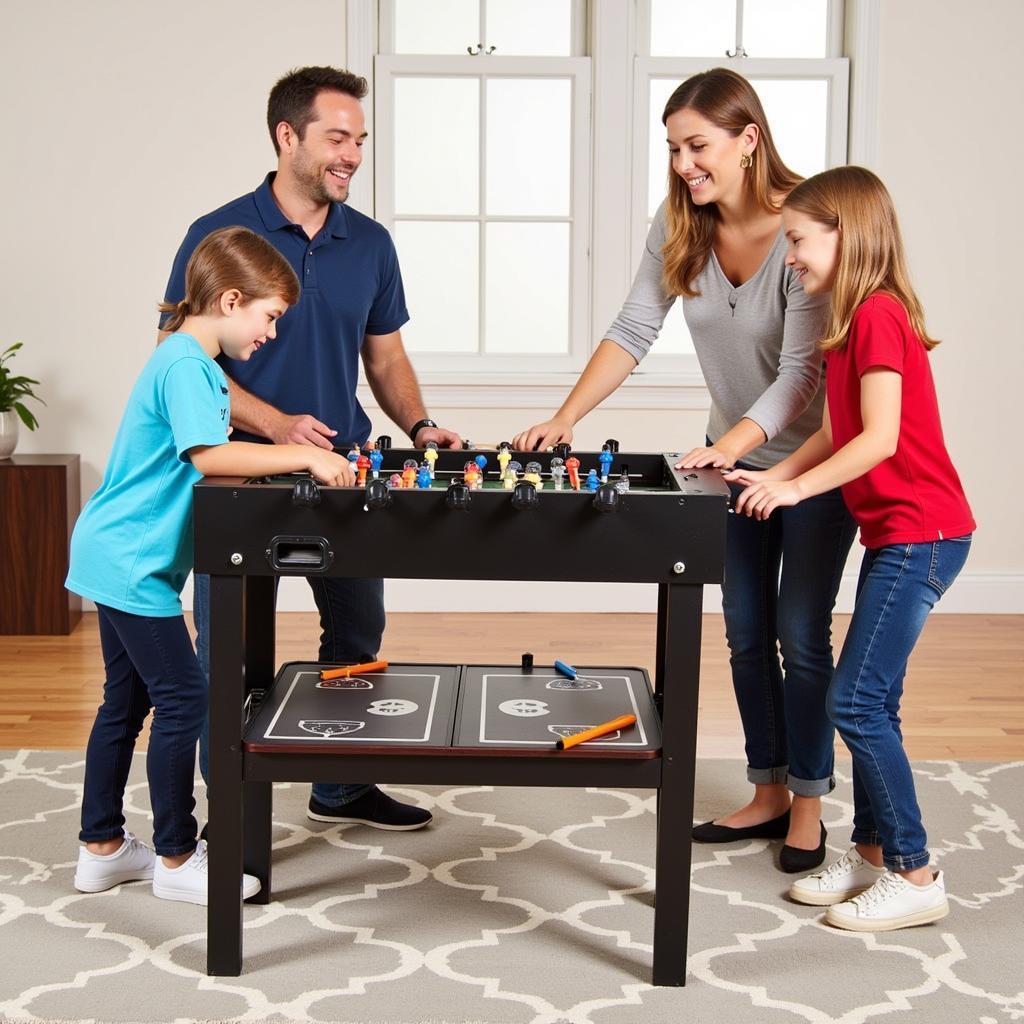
pixel 231 258
pixel 854 202
pixel 728 101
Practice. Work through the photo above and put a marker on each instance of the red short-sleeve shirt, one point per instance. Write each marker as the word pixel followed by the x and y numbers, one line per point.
pixel 915 495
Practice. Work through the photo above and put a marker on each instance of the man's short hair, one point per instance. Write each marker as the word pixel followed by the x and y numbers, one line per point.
pixel 293 97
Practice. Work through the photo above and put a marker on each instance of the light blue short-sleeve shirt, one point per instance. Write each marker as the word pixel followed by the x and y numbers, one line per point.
pixel 132 545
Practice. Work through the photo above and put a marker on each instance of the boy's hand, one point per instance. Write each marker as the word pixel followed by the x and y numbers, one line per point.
pixel 330 468
pixel 763 497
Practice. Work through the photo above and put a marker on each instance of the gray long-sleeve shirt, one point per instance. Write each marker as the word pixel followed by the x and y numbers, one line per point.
pixel 756 344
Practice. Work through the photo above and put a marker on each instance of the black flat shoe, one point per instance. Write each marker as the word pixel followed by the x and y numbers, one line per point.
pixel 709 832
pixel 792 859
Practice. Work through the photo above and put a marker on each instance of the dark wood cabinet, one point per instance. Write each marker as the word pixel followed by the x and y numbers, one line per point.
pixel 40 497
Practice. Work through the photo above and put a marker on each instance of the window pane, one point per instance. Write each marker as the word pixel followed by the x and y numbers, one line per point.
pixel 440 269
pixel 797 112
pixel 786 28
pixel 532 27
pixel 657 147
pixel 529 131
pixel 675 335
pixel 440 26
pixel 692 28
pixel 527 288
pixel 437 140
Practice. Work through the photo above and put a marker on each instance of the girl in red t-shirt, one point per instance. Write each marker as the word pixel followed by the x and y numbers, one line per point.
pixel 881 441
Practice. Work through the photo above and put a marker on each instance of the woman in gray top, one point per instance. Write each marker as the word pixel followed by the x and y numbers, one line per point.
pixel 717 243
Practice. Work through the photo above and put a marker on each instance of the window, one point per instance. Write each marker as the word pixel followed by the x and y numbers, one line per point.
pixel 482 157
pixel 518 158
pixel 788 49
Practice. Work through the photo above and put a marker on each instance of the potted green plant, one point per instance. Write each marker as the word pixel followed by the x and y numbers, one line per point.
pixel 12 407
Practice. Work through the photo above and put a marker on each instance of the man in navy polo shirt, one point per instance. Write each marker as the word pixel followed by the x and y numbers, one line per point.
pixel 302 388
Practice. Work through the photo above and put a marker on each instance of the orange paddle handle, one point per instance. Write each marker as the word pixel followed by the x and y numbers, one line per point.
pixel 352 670
pixel 622 722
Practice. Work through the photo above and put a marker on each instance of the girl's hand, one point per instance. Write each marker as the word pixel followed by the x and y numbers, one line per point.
pixel 745 477
pixel 330 468
pixel 763 497
pixel 543 435
pixel 697 458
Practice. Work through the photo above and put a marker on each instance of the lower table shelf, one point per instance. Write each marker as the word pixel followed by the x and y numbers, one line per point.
pixel 454 710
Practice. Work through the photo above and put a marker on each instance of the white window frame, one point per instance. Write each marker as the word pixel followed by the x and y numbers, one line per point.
pixel 577 69
pixel 617 31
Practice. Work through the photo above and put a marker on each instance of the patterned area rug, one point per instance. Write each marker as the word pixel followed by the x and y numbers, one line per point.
pixel 519 906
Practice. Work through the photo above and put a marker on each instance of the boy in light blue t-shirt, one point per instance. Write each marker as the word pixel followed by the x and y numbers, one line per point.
pixel 131 552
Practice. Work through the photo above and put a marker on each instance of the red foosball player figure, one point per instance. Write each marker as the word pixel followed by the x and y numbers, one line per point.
pixel 362 467
pixel 572 464
pixel 409 469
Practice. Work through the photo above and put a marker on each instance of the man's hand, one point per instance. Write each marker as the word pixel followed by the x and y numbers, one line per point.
pixel 543 435
pixel 331 468
pixel 442 438
pixel 304 429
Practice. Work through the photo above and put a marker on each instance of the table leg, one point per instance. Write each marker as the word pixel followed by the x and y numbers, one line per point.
pixel 227 674
pixel 681 672
pixel 258 797
pixel 659 655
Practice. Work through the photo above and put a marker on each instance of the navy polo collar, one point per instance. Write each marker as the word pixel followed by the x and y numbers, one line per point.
pixel 274 218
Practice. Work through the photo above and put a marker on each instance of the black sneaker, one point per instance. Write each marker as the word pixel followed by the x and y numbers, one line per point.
pixel 376 809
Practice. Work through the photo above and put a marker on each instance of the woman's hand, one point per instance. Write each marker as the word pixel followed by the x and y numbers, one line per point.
pixel 762 496
pixel 543 435
pixel 698 458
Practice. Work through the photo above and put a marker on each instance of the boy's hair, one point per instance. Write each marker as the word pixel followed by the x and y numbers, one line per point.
pixel 293 97
pixel 231 258
pixel 728 101
pixel 854 201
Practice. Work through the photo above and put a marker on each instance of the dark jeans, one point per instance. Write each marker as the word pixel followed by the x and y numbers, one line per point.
pixel 149 662
pixel 898 587
pixel 781 580
pixel 351 624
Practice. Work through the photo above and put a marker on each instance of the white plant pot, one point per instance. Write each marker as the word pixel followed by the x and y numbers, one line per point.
pixel 8 433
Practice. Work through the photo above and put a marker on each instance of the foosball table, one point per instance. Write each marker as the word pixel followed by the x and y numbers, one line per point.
pixel 455 724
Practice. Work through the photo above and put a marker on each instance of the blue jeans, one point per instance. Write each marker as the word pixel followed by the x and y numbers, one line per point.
pixel 149 662
pixel 351 624
pixel 781 579
pixel 898 587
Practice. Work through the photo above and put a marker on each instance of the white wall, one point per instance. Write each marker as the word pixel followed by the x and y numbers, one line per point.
pixel 127 120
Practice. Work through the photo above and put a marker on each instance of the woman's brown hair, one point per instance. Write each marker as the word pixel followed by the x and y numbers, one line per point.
pixel 728 101
pixel 854 202
pixel 231 258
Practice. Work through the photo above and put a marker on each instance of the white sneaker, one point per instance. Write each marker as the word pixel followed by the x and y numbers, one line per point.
pixel 845 878
pixel 190 882
pixel 892 902
pixel 133 862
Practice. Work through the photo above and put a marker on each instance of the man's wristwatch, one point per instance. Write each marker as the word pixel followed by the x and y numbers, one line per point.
pixel 418 426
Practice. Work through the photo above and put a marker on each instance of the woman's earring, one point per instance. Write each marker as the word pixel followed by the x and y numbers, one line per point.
pixel 746 161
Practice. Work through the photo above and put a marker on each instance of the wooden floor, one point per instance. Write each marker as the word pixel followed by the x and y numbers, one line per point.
pixel 964 696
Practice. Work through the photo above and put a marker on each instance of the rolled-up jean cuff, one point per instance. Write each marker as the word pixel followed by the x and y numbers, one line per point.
pixel 918 860
pixel 767 776
pixel 810 787
pixel 866 838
